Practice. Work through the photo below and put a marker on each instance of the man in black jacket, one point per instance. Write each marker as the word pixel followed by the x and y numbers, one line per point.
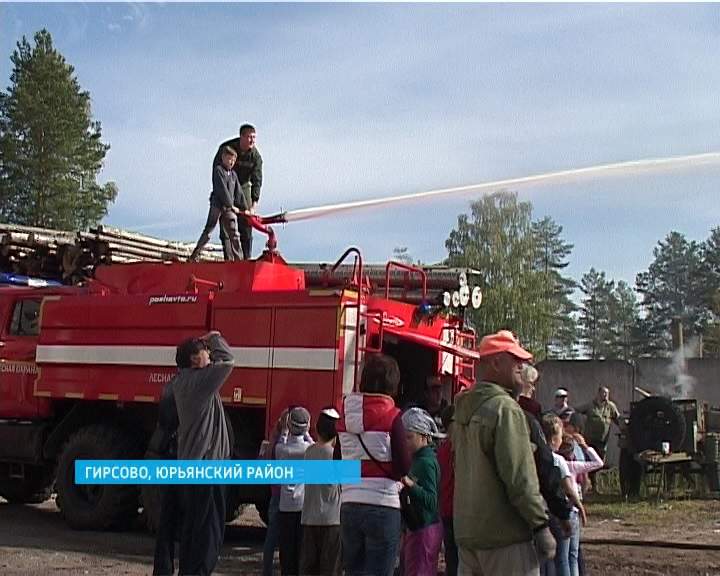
pixel 548 474
pixel 163 445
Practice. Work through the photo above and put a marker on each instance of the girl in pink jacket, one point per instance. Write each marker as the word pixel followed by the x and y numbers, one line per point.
pixel 577 469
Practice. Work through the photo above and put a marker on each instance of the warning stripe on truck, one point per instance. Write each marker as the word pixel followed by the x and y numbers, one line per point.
pixel 245 357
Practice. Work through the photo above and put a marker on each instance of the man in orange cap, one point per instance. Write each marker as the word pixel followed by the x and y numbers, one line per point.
pixel 501 526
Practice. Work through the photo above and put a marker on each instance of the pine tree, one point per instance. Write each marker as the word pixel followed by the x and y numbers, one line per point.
pixel 50 148
pixel 624 321
pixel 711 265
pixel 550 259
pixel 673 287
pixel 711 281
pixel 595 324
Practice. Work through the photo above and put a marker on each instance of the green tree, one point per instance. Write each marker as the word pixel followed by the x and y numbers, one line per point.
pixel 497 239
pixel 551 257
pixel 624 322
pixel 50 147
pixel 595 325
pixel 673 287
pixel 711 265
pixel 711 282
pixel 609 317
pixel 566 336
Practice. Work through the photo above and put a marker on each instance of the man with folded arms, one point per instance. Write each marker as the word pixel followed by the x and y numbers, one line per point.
pixel 500 522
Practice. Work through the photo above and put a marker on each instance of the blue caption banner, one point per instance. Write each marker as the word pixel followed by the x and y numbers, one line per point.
pixel 217 471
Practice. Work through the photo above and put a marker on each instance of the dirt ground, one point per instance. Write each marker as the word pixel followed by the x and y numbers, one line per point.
pixel 674 521
pixel 34 540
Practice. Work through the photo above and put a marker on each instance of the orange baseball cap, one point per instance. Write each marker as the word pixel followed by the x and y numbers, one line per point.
pixel 503 341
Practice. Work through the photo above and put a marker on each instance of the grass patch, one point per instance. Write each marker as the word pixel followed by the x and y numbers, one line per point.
pixel 651 513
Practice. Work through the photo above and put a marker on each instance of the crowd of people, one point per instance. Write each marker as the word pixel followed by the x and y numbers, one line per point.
pixel 498 484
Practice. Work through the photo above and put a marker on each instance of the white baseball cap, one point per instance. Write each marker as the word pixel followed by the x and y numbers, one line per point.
pixel 331 413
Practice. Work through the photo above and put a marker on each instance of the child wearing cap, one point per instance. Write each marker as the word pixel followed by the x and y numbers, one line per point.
pixel 292 495
pixel 421 544
pixel 320 554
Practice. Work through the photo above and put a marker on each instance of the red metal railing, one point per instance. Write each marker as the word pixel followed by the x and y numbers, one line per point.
pixel 194 283
pixel 408 268
pixel 357 279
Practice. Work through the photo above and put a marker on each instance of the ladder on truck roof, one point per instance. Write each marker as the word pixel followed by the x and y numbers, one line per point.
pixel 403 283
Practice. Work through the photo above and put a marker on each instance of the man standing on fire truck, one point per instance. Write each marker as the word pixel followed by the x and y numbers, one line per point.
pixel 205 363
pixel 249 170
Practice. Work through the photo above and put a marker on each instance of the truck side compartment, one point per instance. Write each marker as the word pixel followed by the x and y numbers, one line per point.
pixel 82 369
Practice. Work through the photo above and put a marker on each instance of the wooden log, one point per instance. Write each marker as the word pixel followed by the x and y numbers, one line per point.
pixel 132 243
pixel 31 229
pixel 141 239
pixel 130 236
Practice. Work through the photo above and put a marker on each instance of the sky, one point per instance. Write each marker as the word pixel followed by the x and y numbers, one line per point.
pixel 355 101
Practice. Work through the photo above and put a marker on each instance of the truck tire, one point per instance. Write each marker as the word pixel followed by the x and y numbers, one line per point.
pixel 96 507
pixel 655 420
pixel 34 488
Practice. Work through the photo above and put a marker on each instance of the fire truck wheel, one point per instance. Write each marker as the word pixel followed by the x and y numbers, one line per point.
pixel 94 507
pixel 34 488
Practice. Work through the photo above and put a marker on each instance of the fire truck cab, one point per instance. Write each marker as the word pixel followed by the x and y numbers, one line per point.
pixel 82 369
pixel 24 475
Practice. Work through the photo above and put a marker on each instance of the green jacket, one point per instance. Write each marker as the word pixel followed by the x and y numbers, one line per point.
pixel 497 499
pixel 599 417
pixel 425 471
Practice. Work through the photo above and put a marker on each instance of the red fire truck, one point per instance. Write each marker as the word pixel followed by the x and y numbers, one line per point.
pixel 82 368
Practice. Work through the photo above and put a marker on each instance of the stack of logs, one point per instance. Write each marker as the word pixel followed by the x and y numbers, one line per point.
pixel 73 256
